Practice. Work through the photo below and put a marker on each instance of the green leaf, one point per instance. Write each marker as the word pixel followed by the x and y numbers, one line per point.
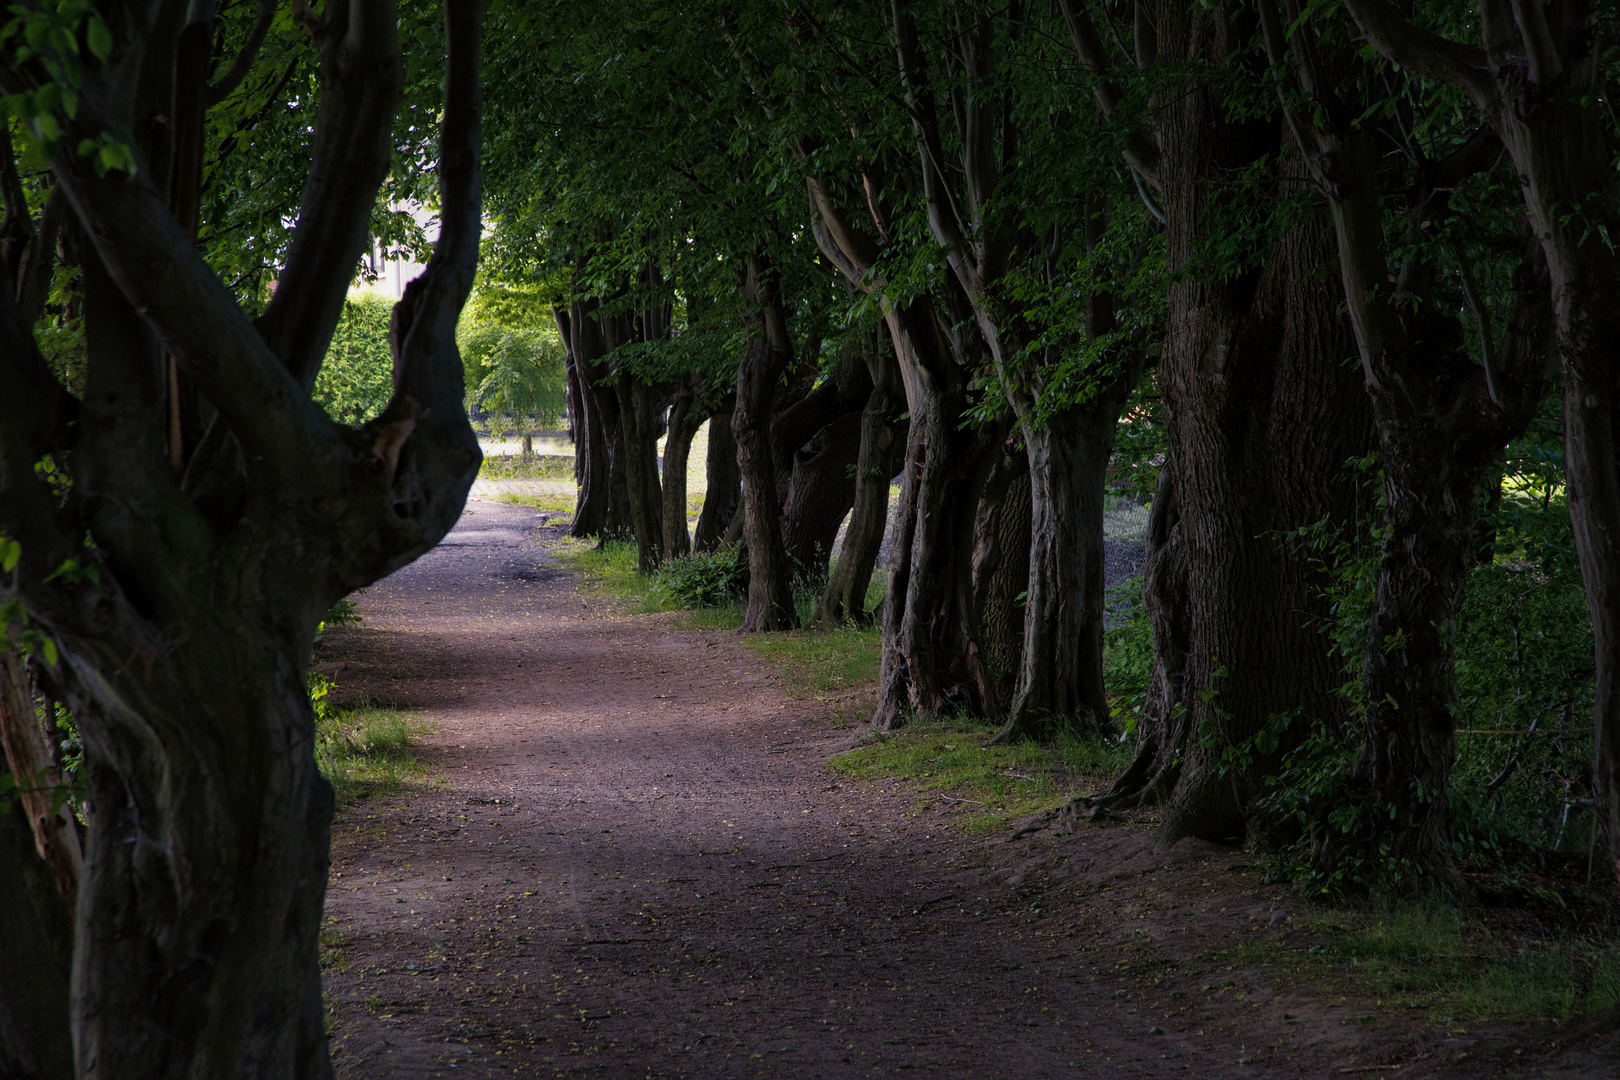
pixel 10 552
pixel 99 38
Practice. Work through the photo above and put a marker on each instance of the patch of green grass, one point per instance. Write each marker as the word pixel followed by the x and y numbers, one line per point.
pixel 560 505
pixel 367 750
pixel 610 569
pixel 1448 962
pixel 527 467
pixel 993 785
pixel 820 662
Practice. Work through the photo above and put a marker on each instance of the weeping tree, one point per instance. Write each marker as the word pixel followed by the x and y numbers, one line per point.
pixel 170 591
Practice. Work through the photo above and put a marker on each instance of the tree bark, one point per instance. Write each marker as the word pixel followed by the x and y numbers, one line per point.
pixel 932 662
pixel 724 493
pixel 820 494
pixel 1001 550
pixel 638 438
pixel 594 431
pixel 36 941
pixel 181 640
pixel 1263 413
pixel 879 459
pixel 28 753
pixel 767 356
pixel 686 415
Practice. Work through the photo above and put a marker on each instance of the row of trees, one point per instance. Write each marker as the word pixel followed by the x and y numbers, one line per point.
pixel 1327 234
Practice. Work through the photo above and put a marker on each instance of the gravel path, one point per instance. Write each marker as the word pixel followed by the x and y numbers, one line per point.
pixel 633 862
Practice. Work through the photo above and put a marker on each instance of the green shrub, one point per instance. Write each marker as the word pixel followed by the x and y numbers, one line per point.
pixel 357 376
pixel 702 579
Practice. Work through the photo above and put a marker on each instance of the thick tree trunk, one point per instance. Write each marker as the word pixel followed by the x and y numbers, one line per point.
pixel 686 415
pixel 931 661
pixel 724 494
pixel 1263 414
pixel 36 943
pixel 879 459
pixel 1061 661
pixel 820 494
pixel 770 593
pixel 638 429
pixel 28 753
pixel 594 431
pixel 1001 568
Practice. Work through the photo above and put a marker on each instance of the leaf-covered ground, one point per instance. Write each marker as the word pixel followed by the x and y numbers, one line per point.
pixel 628 856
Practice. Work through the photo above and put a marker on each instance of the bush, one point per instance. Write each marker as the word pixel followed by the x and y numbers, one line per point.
pixel 357 376
pixel 699 580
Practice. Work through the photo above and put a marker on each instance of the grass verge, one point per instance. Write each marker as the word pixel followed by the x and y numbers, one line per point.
pixel 367 750
pixel 1457 965
pixel 994 785
pixel 527 467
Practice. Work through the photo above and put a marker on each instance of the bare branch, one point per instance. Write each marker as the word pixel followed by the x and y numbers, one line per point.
pixel 360 88
pixel 1531 19
pixel 244 59
pixel 1141 153
pixel 1424 51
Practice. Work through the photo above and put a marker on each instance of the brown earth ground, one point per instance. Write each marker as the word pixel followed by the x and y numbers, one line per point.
pixel 633 861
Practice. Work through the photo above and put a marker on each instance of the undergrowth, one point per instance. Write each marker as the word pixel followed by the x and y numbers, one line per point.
pixel 1449 962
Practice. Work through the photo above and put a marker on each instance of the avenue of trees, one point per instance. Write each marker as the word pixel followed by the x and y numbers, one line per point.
pixel 1335 272
pixel 1334 279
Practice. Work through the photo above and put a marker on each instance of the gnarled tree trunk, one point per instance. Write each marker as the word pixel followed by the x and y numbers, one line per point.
pixel 880 457
pixel 1001 567
pixel 181 632
pixel 638 431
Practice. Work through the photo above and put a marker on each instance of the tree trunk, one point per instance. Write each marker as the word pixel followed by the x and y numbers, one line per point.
pixel 931 661
pixel 686 415
pixel 821 493
pixel 28 753
pixel 594 431
pixel 1001 568
pixel 1061 661
pixel 1263 414
pixel 879 459
pixel 724 494
pixel 770 593
pixel 36 942
pixel 638 429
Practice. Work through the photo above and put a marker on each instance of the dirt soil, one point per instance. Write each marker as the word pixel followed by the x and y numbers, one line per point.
pixel 635 862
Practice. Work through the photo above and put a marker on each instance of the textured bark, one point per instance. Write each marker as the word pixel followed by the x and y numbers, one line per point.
pixel 1061 659
pixel 880 457
pixel 182 637
pixel 594 430
pixel 1530 81
pixel 1263 414
pixel 820 494
pixel 686 415
pixel 724 494
pixel 1442 422
pixel 28 753
pixel 931 661
pixel 770 593
pixel 36 942
pixel 1001 568
pixel 638 438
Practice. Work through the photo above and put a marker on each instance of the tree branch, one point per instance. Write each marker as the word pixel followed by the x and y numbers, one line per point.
pixel 1531 18
pixel 1424 51
pixel 244 59
pixel 361 80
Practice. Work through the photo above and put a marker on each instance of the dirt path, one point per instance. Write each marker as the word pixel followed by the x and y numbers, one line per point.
pixel 637 865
